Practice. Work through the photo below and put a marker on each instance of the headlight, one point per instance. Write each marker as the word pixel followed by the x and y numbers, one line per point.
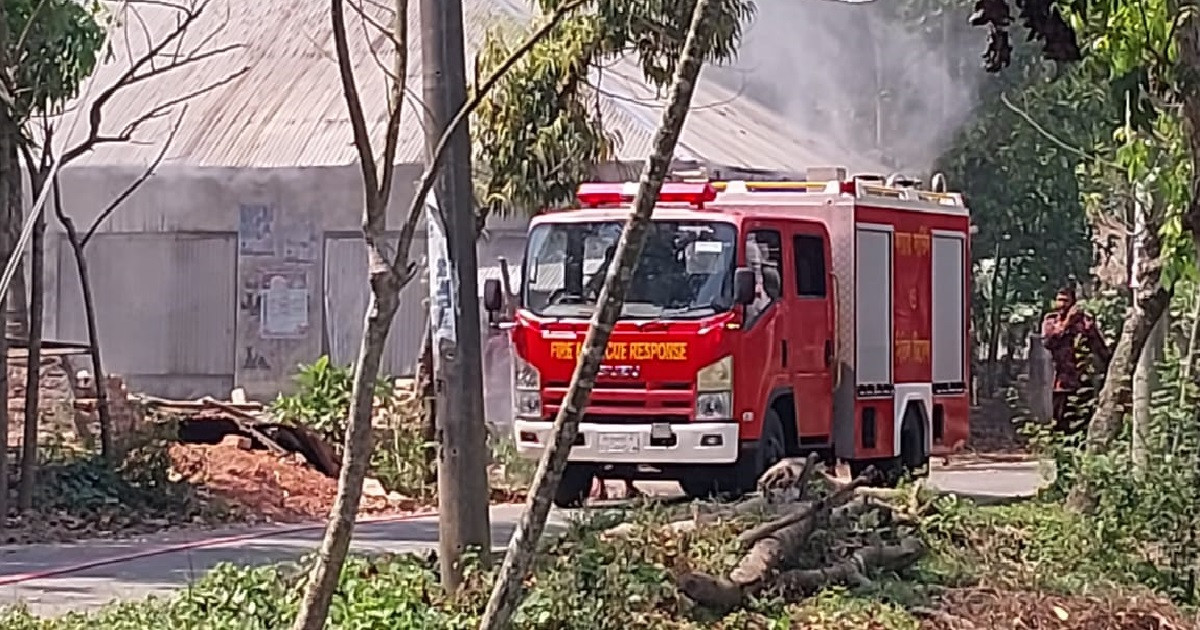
pixel 525 376
pixel 527 404
pixel 714 406
pixel 716 377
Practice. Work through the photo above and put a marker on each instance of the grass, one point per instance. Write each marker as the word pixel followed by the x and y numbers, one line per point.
pixel 586 580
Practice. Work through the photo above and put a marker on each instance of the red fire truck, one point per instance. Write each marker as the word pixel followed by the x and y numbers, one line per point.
pixel 764 320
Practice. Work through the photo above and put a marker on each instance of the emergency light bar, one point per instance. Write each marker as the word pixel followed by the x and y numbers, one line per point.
pixel 593 195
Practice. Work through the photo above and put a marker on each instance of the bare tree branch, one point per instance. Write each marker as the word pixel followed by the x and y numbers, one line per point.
pixel 395 99
pixel 358 124
pixel 137 183
pixel 385 285
pixel 126 133
pixel 1059 142
pixel 143 68
pixel 366 20
pixel 369 20
pixel 400 264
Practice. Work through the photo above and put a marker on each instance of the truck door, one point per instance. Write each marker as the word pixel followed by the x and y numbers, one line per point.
pixel 811 334
pixel 764 343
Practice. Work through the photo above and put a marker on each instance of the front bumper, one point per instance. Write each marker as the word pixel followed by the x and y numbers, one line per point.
pixel 631 443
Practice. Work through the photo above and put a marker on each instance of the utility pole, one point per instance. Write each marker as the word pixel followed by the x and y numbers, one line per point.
pixel 458 372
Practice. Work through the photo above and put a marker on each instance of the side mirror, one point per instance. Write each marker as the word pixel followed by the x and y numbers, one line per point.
pixel 743 286
pixel 493 296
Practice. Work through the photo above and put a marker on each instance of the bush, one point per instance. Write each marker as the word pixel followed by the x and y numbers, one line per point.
pixel 81 493
pixel 322 403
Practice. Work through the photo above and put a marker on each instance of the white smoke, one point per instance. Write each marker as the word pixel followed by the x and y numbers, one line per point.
pixel 831 66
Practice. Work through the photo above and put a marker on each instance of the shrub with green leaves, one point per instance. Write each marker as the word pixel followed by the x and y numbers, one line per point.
pixel 321 402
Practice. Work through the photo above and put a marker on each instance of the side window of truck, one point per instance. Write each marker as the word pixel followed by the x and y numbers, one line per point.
pixel 764 256
pixel 809 253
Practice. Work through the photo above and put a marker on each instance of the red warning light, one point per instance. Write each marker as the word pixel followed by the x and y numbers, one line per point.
pixel 594 195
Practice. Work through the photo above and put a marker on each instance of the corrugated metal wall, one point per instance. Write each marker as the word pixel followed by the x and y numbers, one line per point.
pixel 345 304
pixel 165 308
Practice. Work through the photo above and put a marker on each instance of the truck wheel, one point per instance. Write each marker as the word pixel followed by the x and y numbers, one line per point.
pixel 574 486
pixel 772 447
pixel 888 471
pixel 913 455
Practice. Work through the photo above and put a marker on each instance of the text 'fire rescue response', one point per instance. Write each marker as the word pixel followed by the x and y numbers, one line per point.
pixel 622 351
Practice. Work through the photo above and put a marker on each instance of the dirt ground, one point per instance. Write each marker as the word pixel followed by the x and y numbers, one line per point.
pixel 980 608
pixel 267 487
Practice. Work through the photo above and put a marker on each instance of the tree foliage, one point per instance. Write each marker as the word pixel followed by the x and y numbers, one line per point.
pixel 542 132
pixel 54 45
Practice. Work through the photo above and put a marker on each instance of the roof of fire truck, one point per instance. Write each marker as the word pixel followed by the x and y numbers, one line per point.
pixel 689 196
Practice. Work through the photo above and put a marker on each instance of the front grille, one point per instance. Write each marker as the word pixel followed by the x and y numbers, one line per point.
pixel 610 400
pixel 601 384
pixel 605 418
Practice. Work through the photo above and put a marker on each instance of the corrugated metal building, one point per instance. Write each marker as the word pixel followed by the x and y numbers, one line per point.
pixel 240 256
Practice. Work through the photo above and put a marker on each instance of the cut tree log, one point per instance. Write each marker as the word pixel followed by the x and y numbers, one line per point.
pixel 854 570
pixel 789 473
pixel 840 496
pixel 858 538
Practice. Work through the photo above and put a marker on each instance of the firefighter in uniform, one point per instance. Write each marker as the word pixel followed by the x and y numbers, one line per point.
pixel 1072 338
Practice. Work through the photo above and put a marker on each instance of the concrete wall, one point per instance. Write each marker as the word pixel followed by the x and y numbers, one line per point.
pixel 182 268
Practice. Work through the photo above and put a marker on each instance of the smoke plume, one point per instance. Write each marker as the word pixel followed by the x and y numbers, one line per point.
pixel 861 76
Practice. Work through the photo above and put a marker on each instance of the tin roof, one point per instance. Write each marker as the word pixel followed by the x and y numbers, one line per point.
pixel 276 100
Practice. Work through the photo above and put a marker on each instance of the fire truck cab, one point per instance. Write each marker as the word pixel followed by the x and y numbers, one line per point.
pixel 764 320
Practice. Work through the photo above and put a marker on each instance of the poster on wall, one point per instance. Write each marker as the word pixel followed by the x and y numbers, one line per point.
pixel 284 303
pixel 256 230
pixel 299 241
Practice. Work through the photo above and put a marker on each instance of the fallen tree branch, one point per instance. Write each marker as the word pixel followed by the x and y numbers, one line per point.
pixel 854 570
pixel 241 418
pixel 787 474
pixel 859 536
pixel 840 496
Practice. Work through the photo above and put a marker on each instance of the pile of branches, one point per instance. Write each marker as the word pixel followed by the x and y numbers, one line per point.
pixel 817 532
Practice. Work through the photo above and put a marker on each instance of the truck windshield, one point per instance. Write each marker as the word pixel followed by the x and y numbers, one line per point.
pixel 685 271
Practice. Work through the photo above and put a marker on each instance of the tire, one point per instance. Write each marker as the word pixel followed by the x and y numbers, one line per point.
pixel 742 477
pixel 913 456
pixel 574 486
pixel 888 471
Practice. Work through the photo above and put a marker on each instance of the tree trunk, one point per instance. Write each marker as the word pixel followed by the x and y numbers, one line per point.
pixel 9 216
pixel 18 306
pixel 386 277
pixel 1145 383
pixel 1150 299
pixel 1189 352
pixel 994 311
pixel 10 227
pixel 356 456
pixel 506 593
pixel 1189 58
pixel 33 364
pixel 103 414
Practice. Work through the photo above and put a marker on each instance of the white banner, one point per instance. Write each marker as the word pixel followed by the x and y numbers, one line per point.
pixel 442 290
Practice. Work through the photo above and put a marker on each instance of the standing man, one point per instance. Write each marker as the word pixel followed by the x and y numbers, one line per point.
pixel 1072 338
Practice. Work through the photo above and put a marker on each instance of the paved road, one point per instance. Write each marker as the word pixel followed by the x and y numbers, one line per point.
pixel 170 562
